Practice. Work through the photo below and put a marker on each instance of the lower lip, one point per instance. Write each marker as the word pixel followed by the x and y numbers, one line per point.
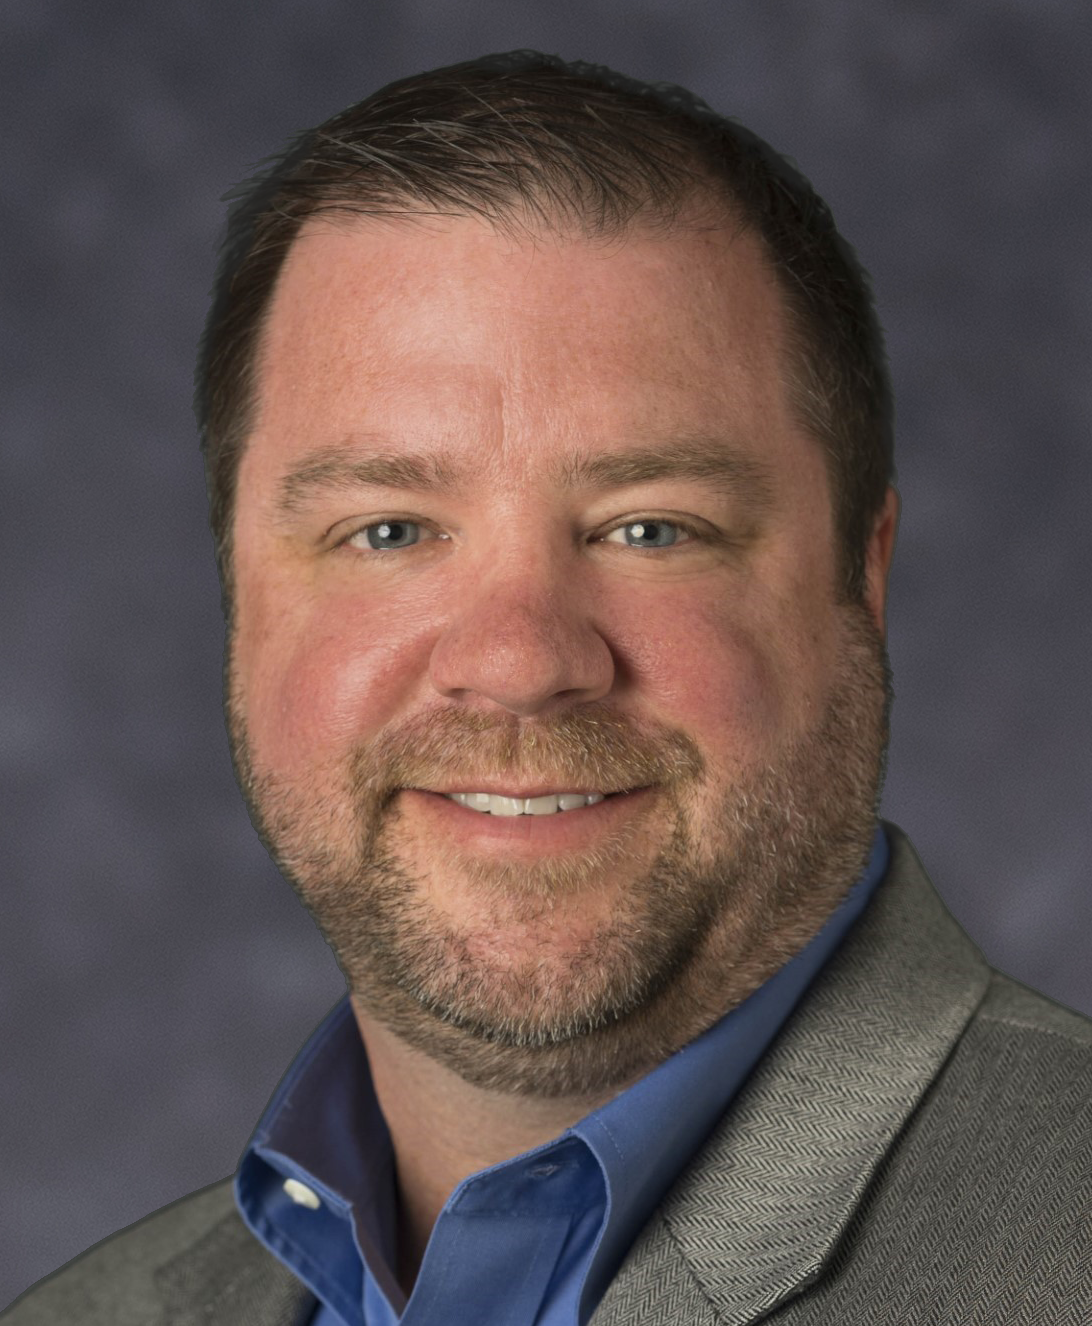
pixel 533 835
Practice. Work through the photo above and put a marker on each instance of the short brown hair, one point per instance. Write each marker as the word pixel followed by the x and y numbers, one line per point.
pixel 525 138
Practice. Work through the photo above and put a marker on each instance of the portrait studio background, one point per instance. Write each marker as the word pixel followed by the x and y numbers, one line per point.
pixel 157 977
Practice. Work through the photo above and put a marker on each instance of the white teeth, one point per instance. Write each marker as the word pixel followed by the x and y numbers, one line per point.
pixel 546 805
pixel 506 805
pixel 571 801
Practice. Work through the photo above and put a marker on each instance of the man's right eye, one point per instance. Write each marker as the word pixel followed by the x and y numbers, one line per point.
pixel 385 535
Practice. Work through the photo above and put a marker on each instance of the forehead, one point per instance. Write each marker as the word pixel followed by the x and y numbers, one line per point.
pixel 448 333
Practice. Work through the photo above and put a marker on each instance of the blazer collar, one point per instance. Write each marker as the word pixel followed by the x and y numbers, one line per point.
pixel 755 1216
pixel 227 1278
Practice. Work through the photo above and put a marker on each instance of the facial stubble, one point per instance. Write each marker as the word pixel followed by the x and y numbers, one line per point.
pixel 688 936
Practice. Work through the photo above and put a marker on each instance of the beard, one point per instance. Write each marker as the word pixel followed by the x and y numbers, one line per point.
pixel 508 994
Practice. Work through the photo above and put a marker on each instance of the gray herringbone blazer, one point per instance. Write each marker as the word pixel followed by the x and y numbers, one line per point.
pixel 916 1147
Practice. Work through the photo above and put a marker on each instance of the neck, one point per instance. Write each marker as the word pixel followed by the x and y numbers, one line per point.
pixel 443 1130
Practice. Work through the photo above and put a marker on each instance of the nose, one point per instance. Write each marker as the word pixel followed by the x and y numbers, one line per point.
pixel 521 638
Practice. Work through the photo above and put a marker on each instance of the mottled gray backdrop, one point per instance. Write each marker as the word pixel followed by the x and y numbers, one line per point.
pixel 156 975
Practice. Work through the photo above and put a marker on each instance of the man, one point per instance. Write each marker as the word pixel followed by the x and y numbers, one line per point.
pixel 549 450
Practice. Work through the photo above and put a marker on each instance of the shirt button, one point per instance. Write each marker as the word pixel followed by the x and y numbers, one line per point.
pixel 299 1192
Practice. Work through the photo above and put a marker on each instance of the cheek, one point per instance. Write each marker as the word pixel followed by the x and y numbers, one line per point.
pixel 323 683
pixel 710 671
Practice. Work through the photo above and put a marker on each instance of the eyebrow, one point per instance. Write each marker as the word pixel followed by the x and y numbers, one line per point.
pixel 698 457
pixel 333 469
pixel 706 459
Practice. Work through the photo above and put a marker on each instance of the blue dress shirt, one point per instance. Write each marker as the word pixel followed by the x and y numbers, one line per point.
pixel 531 1242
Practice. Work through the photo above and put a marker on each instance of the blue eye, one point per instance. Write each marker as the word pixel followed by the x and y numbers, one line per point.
pixel 386 534
pixel 649 534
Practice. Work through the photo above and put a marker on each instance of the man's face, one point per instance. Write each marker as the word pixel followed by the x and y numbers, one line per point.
pixel 529 517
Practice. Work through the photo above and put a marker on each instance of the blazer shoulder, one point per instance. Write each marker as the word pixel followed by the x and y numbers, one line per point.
pixel 114 1281
pixel 978 1214
pixel 1012 1004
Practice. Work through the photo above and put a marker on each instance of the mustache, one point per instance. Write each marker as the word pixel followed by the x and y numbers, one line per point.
pixel 592 746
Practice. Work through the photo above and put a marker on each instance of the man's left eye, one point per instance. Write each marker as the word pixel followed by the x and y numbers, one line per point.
pixel 649 534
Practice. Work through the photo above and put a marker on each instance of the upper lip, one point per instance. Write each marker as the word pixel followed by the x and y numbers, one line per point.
pixel 529 790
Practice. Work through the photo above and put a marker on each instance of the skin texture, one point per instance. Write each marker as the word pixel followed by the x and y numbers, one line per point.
pixel 509 975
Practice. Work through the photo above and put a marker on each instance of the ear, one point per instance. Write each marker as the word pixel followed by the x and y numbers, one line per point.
pixel 878 554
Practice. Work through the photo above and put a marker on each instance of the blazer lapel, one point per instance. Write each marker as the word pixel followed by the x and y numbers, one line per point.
pixel 753 1219
pixel 227 1278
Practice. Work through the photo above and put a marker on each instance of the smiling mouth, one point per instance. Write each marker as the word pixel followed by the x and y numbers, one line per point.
pixel 528 826
pixel 488 803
